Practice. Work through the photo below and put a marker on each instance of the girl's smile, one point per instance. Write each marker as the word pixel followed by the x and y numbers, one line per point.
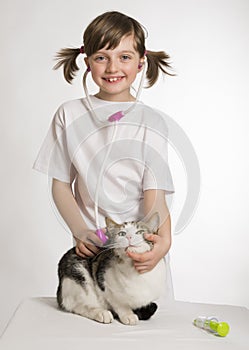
pixel 114 70
pixel 113 79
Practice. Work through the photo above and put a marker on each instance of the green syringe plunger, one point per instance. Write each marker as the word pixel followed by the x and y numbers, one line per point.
pixel 212 325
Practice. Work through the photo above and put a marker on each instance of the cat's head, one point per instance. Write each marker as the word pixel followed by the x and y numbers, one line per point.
pixel 130 235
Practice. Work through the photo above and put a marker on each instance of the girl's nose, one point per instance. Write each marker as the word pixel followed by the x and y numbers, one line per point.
pixel 112 66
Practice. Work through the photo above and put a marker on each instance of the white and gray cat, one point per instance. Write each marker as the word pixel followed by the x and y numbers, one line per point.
pixel 108 285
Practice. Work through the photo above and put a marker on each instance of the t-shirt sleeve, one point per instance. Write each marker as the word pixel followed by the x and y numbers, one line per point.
pixel 157 173
pixel 53 158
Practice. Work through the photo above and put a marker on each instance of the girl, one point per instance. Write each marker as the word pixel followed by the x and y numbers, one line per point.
pixel 82 153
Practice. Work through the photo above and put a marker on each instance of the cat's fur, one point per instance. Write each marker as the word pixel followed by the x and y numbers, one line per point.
pixel 108 285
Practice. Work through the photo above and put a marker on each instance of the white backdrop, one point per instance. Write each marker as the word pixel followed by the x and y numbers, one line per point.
pixel 208 43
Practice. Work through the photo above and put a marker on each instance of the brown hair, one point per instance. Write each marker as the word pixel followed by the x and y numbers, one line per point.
pixel 107 30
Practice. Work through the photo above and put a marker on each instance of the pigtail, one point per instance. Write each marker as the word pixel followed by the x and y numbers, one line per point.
pixel 157 61
pixel 67 59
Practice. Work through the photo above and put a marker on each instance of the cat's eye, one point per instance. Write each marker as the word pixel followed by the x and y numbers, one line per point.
pixel 140 232
pixel 122 233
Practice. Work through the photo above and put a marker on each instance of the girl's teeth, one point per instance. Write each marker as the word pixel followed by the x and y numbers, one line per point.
pixel 113 79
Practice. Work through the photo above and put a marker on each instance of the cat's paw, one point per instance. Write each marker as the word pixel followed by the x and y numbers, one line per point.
pixel 129 319
pixel 104 316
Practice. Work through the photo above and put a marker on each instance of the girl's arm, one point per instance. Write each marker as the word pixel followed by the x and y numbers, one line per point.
pixel 86 240
pixel 154 201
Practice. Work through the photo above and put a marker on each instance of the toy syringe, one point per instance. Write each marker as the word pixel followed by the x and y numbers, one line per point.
pixel 212 325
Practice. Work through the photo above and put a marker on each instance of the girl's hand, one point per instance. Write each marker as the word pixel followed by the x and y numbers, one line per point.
pixel 144 262
pixel 87 244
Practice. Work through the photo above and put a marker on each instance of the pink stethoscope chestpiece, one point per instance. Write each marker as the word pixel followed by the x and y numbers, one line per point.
pixel 99 232
pixel 116 116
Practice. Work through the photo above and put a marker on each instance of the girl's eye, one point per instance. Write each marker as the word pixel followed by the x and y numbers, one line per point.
pixel 122 233
pixel 140 232
pixel 99 58
pixel 125 57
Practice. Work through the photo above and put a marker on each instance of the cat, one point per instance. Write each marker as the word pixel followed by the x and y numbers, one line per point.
pixel 108 285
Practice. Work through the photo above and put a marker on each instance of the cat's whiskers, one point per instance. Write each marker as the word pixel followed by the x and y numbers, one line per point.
pixel 117 245
pixel 111 245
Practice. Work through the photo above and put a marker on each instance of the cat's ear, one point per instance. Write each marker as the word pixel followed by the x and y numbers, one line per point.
pixel 153 222
pixel 110 223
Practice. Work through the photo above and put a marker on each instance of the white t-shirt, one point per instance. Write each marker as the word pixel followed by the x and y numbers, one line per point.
pixel 76 145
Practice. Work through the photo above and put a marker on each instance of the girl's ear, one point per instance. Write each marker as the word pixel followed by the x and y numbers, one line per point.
pixel 86 61
pixel 141 64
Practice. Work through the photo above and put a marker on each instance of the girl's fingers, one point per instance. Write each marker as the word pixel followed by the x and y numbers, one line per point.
pixel 92 248
pixel 140 266
pixel 78 252
pixel 92 238
pixel 86 251
pixel 89 237
pixel 142 269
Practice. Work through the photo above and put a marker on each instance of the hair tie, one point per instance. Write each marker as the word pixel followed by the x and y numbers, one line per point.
pixel 82 49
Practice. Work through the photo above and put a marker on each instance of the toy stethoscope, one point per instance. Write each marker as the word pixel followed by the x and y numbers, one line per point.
pixel 114 118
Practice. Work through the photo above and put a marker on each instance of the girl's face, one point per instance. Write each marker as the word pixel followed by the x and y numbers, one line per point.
pixel 114 70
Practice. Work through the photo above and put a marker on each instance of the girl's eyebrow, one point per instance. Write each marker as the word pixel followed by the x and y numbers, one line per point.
pixel 128 51
pixel 120 52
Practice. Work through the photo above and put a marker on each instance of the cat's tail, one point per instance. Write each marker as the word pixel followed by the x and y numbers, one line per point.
pixel 145 312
